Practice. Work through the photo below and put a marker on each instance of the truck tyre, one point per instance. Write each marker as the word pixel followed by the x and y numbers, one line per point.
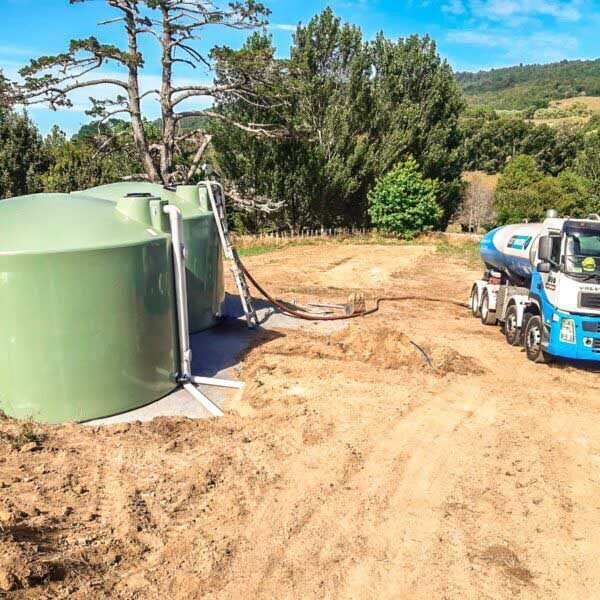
pixel 474 302
pixel 488 317
pixel 533 341
pixel 512 331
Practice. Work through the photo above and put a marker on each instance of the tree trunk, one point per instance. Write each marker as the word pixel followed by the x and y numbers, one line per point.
pixel 169 123
pixel 137 124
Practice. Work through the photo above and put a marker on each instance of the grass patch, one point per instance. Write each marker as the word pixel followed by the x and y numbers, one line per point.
pixel 247 245
pixel 257 250
pixel 466 253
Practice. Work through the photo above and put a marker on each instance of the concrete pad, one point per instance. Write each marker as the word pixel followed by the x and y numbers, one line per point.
pixel 216 354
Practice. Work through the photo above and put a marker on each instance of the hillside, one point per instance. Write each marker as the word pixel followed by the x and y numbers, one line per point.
pixel 531 86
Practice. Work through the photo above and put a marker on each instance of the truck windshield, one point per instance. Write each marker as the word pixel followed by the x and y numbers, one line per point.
pixel 582 255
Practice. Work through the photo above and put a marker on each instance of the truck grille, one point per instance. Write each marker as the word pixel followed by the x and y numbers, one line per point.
pixel 596 346
pixel 591 326
pixel 589 300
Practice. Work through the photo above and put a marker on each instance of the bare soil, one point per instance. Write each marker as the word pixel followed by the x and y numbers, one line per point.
pixel 347 468
pixel 591 102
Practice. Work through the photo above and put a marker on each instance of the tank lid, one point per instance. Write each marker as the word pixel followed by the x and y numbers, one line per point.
pixel 188 198
pixel 116 191
pixel 49 223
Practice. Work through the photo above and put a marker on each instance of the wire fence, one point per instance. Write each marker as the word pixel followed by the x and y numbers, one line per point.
pixel 309 233
pixel 279 237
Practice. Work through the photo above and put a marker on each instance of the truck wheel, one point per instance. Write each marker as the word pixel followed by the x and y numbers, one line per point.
pixel 533 341
pixel 488 317
pixel 474 302
pixel 511 330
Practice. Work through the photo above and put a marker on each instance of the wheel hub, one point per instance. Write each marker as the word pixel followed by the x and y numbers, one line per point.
pixel 534 339
pixel 511 324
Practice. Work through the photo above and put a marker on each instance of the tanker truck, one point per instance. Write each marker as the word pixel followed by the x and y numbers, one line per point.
pixel 542 286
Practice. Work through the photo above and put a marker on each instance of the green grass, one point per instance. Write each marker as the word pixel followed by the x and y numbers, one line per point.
pixel 466 253
pixel 257 250
pixel 254 247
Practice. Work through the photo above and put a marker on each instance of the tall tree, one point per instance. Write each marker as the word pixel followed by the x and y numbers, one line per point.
pixel 249 164
pixel 175 26
pixel 317 177
pixel 416 112
pixel 524 192
pixel 588 165
pixel 491 140
pixel 335 107
pixel 22 156
pixel 365 108
pixel 5 91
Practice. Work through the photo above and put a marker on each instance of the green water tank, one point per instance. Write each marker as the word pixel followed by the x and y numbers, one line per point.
pixel 204 266
pixel 88 304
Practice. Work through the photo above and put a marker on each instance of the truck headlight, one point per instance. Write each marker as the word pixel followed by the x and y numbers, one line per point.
pixel 567 331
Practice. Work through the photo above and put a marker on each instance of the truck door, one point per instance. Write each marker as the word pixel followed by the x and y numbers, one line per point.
pixel 550 280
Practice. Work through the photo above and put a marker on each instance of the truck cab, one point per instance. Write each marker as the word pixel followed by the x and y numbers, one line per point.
pixel 543 287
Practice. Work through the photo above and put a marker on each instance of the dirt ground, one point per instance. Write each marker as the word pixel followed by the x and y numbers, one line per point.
pixel 348 467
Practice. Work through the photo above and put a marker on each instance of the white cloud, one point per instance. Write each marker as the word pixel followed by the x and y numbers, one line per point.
pixel 283 27
pixel 9 51
pixel 514 13
pixel 454 7
pixel 539 46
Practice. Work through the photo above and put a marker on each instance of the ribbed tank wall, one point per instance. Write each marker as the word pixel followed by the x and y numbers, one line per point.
pixel 90 334
pixel 204 272
pixel 89 325
pixel 205 276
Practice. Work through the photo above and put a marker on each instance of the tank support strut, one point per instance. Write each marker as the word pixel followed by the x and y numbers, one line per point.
pixel 226 383
pixel 187 379
pixel 208 404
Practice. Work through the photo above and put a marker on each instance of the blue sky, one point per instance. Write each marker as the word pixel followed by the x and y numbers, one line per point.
pixel 471 34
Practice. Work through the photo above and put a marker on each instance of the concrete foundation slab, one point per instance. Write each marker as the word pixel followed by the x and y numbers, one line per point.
pixel 216 353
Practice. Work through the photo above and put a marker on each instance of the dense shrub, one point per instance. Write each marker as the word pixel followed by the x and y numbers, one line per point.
pixel 404 202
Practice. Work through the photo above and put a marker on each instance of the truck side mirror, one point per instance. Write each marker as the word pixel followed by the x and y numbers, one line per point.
pixel 545 249
pixel 544 267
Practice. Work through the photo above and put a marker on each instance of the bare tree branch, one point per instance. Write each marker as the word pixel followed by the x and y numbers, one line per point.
pixel 197 158
pixel 251 201
pixel 175 26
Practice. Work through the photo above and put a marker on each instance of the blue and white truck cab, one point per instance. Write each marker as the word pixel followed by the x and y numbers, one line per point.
pixel 543 287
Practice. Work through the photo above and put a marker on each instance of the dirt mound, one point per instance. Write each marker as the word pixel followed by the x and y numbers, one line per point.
pixel 378 345
pixel 446 360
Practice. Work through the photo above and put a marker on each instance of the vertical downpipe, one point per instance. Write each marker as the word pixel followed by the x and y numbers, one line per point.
pixel 176 221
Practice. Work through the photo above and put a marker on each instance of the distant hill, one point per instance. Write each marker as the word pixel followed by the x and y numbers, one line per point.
pixel 531 86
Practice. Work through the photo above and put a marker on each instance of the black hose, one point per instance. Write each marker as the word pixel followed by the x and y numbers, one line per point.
pixel 422 352
pixel 306 317
pixel 363 313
